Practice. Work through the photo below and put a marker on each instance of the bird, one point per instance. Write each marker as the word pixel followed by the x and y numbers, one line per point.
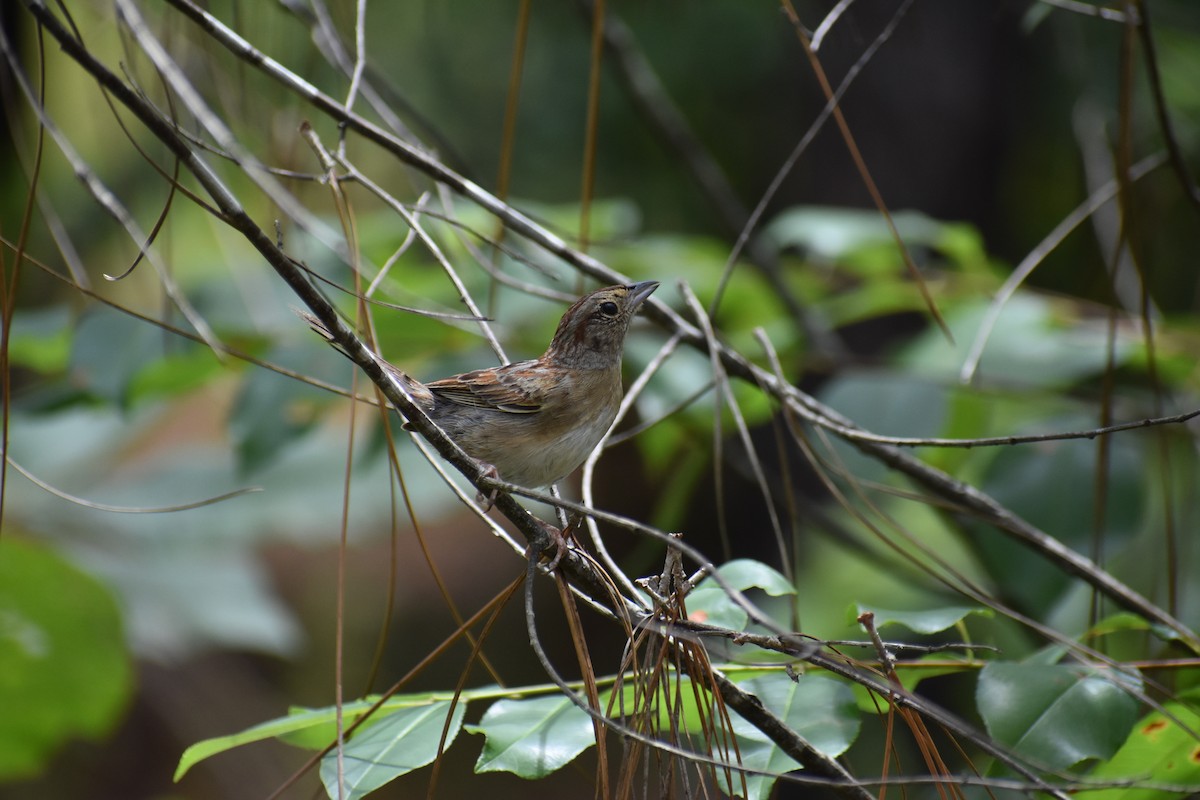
pixel 532 423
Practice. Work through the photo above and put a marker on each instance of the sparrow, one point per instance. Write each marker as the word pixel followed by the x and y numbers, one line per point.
pixel 533 422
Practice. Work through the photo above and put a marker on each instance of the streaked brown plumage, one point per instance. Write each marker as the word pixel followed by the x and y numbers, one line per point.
pixel 536 421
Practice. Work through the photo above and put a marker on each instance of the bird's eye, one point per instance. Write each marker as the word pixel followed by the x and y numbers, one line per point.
pixel 608 309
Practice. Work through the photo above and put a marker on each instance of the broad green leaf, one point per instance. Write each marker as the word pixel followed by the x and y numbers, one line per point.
pixel 1052 486
pixel 1034 343
pixel 429 348
pixel 880 296
pixel 682 437
pixel 711 606
pixel 174 374
pixel 746 573
pixel 532 738
pixel 310 728
pixel 821 710
pixel 836 233
pixel 931 620
pixel 397 744
pixel 887 403
pixel 1162 749
pixel 271 729
pixel 708 602
pixel 64 669
pixel 963 245
pixel 1057 714
pixel 320 724
pixel 677 381
pixel 679 704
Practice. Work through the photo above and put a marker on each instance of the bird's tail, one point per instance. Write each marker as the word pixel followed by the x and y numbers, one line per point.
pixel 319 327
pixel 413 386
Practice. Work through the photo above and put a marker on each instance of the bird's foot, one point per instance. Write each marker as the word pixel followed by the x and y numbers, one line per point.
pixel 488 500
pixel 561 539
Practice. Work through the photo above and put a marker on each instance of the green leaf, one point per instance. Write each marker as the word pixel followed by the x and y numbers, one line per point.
pixel 833 233
pixel 1052 486
pixel 532 738
pixel 708 602
pixel 915 407
pixel 821 710
pixel 928 621
pixel 680 704
pixel 174 374
pixel 310 728
pixel 64 669
pixel 1057 714
pixel 397 744
pixel 910 673
pixel 711 606
pixel 746 573
pixel 1034 343
pixel 271 729
pixel 1119 622
pixel 1162 748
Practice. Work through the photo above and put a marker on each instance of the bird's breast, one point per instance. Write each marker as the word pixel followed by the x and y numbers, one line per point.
pixel 545 447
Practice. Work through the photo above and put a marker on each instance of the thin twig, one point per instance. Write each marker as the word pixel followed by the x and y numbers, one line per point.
pixel 861 165
pixel 589 466
pixel 1178 164
pixel 98 506
pixel 816 762
pixel 657 108
pixel 107 200
pixel 827 23
pixel 415 226
pixel 722 381
pixel 1087 9
pixel 1034 258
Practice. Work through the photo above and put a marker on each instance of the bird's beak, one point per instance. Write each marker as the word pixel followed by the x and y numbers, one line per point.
pixel 639 292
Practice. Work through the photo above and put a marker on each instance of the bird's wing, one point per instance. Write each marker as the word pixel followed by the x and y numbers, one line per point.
pixel 512 389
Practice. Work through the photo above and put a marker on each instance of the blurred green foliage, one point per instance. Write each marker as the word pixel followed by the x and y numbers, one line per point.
pixel 983 124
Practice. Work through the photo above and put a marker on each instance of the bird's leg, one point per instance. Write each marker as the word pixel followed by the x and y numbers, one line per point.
pixel 488 500
pixel 559 537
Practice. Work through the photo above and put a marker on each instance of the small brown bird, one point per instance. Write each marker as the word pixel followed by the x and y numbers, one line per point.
pixel 534 422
